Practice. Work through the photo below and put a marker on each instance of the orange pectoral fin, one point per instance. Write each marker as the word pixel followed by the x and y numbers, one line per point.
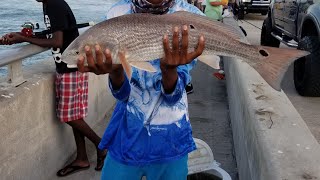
pixel 125 64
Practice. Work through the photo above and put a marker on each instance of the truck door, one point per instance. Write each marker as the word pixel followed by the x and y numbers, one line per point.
pixel 278 9
pixel 290 14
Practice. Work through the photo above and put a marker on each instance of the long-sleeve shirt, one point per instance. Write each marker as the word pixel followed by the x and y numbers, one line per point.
pixel 149 125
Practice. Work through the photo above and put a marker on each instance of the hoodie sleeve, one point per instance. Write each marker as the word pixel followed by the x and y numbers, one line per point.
pixel 123 93
pixel 183 80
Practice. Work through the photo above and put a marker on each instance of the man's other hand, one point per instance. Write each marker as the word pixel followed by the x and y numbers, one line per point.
pixel 97 66
pixel 180 55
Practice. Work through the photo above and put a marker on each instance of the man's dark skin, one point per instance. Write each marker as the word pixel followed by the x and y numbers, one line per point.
pixel 173 58
pixel 80 127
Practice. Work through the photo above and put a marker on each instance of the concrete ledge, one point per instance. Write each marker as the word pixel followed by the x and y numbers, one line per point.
pixel 272 142
pixel 34 144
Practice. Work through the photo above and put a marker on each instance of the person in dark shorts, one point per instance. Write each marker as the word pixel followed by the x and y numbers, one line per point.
pixel 70 84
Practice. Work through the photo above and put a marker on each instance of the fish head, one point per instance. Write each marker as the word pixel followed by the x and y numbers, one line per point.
pixel 71 56
pixel 73 51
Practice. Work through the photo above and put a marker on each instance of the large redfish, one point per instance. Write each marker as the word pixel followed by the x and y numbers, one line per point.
pixel 140 36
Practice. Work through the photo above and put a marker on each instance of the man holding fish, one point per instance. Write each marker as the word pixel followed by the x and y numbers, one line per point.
pixel 149 133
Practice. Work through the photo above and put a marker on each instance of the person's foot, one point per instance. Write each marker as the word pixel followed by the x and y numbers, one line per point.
pixel 189 88
pixel 101 156
pixel 74 167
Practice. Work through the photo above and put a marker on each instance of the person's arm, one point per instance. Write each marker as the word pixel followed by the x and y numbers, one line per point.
pixel 173 83
pixel 182 80
pixel 169 78
pixel 56 41
pixel 217 3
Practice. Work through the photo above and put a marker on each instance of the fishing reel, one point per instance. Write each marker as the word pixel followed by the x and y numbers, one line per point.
pixel 28 27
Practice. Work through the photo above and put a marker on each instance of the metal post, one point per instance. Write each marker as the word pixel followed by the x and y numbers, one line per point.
pixel 15 75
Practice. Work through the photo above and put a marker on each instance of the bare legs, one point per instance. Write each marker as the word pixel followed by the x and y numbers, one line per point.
pixel 81 130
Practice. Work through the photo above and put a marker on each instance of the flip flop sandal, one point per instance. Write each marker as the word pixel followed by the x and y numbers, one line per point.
pixel 100 163
pixel 70 169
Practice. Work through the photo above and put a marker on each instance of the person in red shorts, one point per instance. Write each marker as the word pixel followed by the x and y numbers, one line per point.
pixel 70 84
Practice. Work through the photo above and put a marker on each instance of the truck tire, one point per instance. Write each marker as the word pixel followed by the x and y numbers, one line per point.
pixel 307 69
pixel 241 12
pixel 264 13
pixel 266 39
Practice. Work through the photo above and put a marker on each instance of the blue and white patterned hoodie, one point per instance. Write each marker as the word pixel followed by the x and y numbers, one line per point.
pixel 148 125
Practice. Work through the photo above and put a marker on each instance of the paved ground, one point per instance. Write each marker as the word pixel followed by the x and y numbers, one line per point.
pixel 209 113
pixel 308 107
pixel 209 116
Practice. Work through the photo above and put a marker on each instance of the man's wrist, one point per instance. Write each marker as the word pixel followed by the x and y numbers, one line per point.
pixel 165 68
pixel 25 39
pixel 169 77
pixel 117 78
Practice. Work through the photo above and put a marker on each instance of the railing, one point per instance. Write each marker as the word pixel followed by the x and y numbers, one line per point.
pixel 13 58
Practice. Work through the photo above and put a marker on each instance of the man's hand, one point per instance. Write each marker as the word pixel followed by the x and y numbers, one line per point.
pixel 97 66
pixel 14 38
pixel 180 56
pixel 4 41
pixel 177 56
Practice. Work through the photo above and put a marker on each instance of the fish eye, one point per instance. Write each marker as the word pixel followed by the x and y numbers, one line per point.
pixel 263 53
pixel 77 52
pixel 191 26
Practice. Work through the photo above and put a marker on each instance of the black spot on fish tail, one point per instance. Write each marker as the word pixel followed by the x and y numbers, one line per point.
pixel 263 53
pixel 275 62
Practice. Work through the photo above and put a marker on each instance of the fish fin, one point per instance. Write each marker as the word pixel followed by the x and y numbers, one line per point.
pixel 211 60
pixel 275 63
pixel 218 26
pixel 125 64
pixel 146 66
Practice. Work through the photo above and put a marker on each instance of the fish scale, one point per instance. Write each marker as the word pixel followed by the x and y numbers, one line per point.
pixel 140 37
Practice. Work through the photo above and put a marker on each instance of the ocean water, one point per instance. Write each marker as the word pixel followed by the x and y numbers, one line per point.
pixel 13 13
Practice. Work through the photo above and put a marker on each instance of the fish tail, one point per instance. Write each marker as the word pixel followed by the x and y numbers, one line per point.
pixel 275 62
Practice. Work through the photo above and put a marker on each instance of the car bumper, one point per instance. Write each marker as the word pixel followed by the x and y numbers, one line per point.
pixel 256 7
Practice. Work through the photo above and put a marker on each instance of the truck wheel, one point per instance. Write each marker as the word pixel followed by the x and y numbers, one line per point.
pixel 266 39
pixel 241 13
pixel 264 13
pixel 307 69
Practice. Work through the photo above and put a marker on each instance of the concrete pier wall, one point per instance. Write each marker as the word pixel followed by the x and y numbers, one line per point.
pixel 272 141
pixel 34 143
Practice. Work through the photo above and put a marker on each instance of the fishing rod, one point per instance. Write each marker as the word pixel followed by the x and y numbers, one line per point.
pixel 78 26
pixel 28 27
